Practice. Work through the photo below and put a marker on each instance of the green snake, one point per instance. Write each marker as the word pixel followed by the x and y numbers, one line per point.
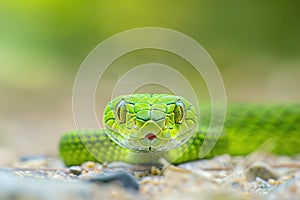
pixel 143 128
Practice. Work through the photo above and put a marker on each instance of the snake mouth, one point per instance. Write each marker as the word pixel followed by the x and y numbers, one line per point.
pixel 150 136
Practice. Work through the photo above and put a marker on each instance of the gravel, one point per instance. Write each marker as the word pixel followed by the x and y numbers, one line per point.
pixel 223 177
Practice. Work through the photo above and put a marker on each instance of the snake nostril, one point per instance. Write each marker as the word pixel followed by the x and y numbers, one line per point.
pixel 150 136
pixel 133 124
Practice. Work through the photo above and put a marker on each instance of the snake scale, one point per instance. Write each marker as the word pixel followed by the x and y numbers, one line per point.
pixel 142 128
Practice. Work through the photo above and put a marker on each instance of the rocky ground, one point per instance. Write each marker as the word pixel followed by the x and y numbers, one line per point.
pixel 256 176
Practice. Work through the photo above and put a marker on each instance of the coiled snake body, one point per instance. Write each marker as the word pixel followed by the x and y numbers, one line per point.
pixel 142 128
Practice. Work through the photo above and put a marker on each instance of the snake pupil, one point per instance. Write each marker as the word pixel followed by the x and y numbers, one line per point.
pixel 121 111
pixel 179 112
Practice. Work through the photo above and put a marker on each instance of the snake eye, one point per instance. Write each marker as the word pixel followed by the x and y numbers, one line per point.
pixel 121 111
pixel 179 112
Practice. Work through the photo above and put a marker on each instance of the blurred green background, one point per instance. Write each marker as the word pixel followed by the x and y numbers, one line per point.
pixel 255 44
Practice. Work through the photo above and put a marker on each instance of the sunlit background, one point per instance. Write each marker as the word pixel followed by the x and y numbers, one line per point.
pixel 255 44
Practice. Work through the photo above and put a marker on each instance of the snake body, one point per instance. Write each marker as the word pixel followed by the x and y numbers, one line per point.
pixel 142 128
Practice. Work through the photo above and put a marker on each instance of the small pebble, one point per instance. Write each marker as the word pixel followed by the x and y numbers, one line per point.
pixel 155 171
pixel 124 178
pixel 89 165
pixel 261 170
pixel 272 181
pixel 76 170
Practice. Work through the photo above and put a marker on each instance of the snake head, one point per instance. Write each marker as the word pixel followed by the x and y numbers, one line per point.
pixel 144 122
